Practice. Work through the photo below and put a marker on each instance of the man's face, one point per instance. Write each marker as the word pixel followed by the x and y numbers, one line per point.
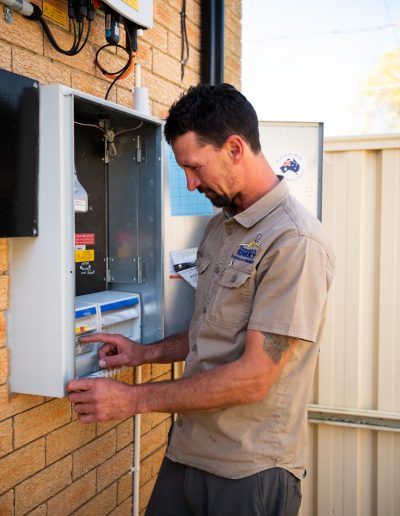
pixel 207 169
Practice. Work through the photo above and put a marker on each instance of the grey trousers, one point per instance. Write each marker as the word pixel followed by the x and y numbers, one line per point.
pixel 185 491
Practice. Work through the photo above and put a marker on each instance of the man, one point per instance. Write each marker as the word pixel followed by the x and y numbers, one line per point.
pixel 265 265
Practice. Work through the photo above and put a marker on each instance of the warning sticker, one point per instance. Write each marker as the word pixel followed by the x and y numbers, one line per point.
pixel 86 255
pixel 84 239
pixel 132 3
pixel 55 14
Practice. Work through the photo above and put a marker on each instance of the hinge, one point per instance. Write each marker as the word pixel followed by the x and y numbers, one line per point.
pixel 108 273
pixel 141 269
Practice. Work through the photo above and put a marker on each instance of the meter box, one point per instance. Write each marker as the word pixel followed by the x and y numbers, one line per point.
pixel 96 264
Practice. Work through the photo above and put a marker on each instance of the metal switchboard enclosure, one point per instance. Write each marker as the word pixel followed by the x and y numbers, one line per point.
pixel 97 262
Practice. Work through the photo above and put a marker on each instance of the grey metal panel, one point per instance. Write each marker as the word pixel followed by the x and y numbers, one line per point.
pixel 180 232
pixel 302 141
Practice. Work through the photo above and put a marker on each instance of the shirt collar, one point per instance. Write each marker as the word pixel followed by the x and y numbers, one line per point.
pixel 262 207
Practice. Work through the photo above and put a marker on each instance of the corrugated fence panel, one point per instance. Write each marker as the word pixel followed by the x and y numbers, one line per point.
pixel 354 458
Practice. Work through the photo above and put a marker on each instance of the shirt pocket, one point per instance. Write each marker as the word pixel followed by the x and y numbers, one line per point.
pixel 232 302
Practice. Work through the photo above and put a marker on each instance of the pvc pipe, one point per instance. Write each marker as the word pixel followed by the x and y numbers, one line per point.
pixel 21 6
pixel 136 452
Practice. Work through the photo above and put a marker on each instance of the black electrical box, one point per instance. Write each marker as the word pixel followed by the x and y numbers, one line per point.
pixel 19 155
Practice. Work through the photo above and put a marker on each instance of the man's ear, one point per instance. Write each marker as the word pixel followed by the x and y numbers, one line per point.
pixel 235 147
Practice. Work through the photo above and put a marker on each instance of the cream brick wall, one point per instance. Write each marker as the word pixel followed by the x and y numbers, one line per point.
pixel 50 464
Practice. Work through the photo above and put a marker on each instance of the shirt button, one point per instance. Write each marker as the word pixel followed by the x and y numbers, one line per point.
pixel 234 278
pixel 179 422
pixel 204 310
pixel 216 269
pixel 194 348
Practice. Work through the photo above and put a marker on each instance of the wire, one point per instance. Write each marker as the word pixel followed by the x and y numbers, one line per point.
pixel 184 40
pixel 126 69
pixel 128 130
pixel 78 33
pixel 89 125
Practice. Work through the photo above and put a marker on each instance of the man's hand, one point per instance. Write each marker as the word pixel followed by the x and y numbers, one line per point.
pixel 101 399
pixel 117 350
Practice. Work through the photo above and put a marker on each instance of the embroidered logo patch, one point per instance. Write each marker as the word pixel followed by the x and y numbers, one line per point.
pixel 247 251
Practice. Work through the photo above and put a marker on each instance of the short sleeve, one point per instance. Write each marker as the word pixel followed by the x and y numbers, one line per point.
pixel 293 282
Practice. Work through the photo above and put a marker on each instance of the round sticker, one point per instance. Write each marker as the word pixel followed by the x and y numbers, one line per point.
pixel 290 165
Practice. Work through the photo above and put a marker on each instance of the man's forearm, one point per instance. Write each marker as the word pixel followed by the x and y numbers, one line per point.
pixel 174 348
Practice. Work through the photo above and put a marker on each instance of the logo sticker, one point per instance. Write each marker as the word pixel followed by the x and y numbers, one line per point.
pixel 291 165
pixel 248 251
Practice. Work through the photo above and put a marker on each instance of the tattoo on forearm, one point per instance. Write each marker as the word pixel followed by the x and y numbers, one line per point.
pixel 276 346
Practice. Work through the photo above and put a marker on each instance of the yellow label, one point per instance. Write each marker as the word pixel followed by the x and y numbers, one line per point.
pixel 132 3
pixel 55 14
pixel 81 329
pixel 86 255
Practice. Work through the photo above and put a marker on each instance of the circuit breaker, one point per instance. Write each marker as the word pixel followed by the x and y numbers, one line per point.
pixel 96 264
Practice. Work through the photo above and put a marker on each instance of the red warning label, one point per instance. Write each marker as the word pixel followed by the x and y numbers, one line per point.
pixel 84 239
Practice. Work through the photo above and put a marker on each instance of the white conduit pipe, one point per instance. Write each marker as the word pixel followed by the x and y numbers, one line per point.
pixel 20 6
pixel 136 452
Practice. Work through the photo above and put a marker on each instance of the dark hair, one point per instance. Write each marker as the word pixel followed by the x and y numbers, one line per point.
pixel 214 113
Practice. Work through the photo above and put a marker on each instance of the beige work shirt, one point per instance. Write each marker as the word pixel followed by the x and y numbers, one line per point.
pixel 267 269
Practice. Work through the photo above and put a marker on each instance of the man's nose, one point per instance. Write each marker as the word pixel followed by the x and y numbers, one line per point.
pixel 192 180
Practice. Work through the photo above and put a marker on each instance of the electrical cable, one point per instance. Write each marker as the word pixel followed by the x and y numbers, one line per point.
pixel 184 40
pixel 127 68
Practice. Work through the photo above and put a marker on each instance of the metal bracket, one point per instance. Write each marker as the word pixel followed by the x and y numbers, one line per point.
pixel 8 15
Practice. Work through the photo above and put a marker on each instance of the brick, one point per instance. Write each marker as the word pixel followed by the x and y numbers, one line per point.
pixel 125 433
pixel 125 376
pixel 145 493
pixel 194 34
pixel 42 486
pixel 166 66
pixel 93 86
pixel 40 68
pixel 159 110
pixel 233 42
pixel 83 61
pixel 146 373
pixel 4 283
pixel 101 504
pixel 93 454
pixel 5 437
pixel 156 37
pixel 154 439
pixel 73 496
pixel 3 365
pixel 102 428
pixel 144 54
pixel 21 464
pixel 232 78
pixel 7 504
pixel 153 419
pixel 174 45
pixel 11 404
pixel 39 511
pixel 236 7
pixel 124 97
pixel 115 467
pixel 41 420
pixel 23 32
pixel 125 509
pixel 124 487
pixel 97 37
pixel 167 16
pixel 158 370
pixel 161 90
pixel 3 241
pixel 150 467
pixel 232 22
pixel 67 439
pixel 3 329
